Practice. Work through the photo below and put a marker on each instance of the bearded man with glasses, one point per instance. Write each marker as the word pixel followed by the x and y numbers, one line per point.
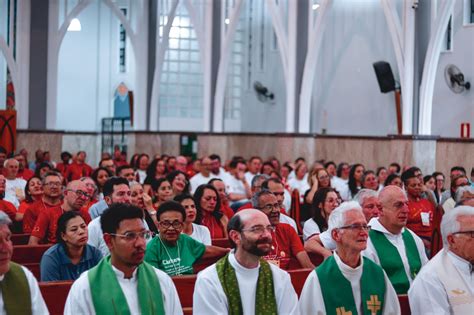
pixel 242 282
pixel 286 243
pixel 173 251
pixel 123 283
pixel 75 196
pixel 347 283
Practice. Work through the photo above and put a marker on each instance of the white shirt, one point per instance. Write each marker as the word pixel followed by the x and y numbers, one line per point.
pixel 209 297
pixel 427 295
pixel 79 300
pixel 198 180
pixel 288 220
pixel 249 176
pixel 341 185
pixel 300 184
pixel 235 186
pixel 201 234
pixel 310 228
pixel 38 306
pixel 96 237
pixel 397 241
pixel 141 176
pixel 11 188
pixel 311 298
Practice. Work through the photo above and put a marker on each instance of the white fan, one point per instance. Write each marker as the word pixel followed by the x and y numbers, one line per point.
pixel 455 79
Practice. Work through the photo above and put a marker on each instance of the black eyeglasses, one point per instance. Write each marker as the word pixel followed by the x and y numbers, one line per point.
pixel 167 224
pixel 80 193
pixel 359 227
pixel 270 207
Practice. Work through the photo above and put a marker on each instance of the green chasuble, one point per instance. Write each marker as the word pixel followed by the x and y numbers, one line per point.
pixel 265 302
pixel 391 261
pixel 337 290
pixel 15 288
pixel 108 297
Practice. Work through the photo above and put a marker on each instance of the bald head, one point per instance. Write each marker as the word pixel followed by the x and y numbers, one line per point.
pixel 181 163
pixel 388 193
pixel 75 195
pixel 11 168
pixel 394 213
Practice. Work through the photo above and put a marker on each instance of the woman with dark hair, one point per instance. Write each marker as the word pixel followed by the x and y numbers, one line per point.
pixel 42 169
pixel 198 232
pixel 71 256
pixel 33 192
pixel 208 203
pixel 133 160
pixel 179 182
pixel 439 186
pixel 141 166
pixel 267 168
pixel 163 192
pixel 369 180
pixel 355 179
pixel 429 182
pixel 381 176
pixel 325 200
pixel 155 171
pixel 100 175
pixel 393 179
pixel 141 200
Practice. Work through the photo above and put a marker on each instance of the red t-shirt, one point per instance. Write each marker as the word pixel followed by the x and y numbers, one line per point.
pixel 215 226
pixel 286 243
pixel 62 168
pixel 415 222
pixel 228 212
pixel 25 174
pixel 47 224
pixel 8 208
pixel 75 171
pixel 32 212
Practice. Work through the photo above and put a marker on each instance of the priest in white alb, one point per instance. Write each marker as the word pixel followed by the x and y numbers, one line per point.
pixel 446 284
pixel 242 282
pixel 347 282
pixel 123 283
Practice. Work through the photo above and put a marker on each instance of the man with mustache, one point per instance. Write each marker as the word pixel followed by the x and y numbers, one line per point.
pixel 173 251
pixel 19 291
pixel 446 284
pixel 75 196
pixel 123 282
pixel 286 243
pixel 399 251
pixel 242 282
pixel 347 283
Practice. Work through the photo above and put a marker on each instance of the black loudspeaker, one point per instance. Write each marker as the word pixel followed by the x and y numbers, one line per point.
pixel 384 76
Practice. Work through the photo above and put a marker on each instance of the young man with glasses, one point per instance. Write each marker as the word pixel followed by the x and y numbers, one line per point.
pixel 446 284
pixel 75 196
pixel 242 282
pixel 347 283
pixel 398 250
pixel 286 243
pixel 173 251
pixel 122 282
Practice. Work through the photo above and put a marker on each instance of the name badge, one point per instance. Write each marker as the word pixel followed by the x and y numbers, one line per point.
pixel 425 218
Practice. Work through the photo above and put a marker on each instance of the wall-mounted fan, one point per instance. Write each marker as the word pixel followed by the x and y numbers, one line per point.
pixel 455 79
pixel 263 94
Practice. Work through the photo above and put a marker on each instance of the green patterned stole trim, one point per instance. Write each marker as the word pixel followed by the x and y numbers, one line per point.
pixel 108 297
pixel 265 302
pixel 14 288
pixel 391 261
pixel 337 290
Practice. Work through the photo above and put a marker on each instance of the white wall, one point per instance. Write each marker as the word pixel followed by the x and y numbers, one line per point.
pixel 3 62
pixel 346 96
pixel 88 70
pixel 450 109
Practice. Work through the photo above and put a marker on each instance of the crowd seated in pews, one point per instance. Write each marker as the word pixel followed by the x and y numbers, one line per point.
pixel 56 212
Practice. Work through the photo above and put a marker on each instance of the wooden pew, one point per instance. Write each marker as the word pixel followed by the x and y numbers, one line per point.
pixel 404 304
pixel 20 239
pixel 55 295
pixel 298 278
pixel 221 242
pixel 30 257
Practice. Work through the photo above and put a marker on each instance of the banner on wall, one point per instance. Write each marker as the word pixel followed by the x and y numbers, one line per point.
pixel 8 130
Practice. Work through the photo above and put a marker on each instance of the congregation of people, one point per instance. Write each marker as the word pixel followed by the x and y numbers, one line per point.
pixel 123 230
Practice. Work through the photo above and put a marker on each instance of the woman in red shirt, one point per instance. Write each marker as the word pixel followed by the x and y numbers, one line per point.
pixel 208 204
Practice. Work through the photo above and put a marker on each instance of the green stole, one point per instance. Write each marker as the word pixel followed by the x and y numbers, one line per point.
pixel 265 302
pixel 337 290
pixel 15 287
pixel 108 297
pixel 391 261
